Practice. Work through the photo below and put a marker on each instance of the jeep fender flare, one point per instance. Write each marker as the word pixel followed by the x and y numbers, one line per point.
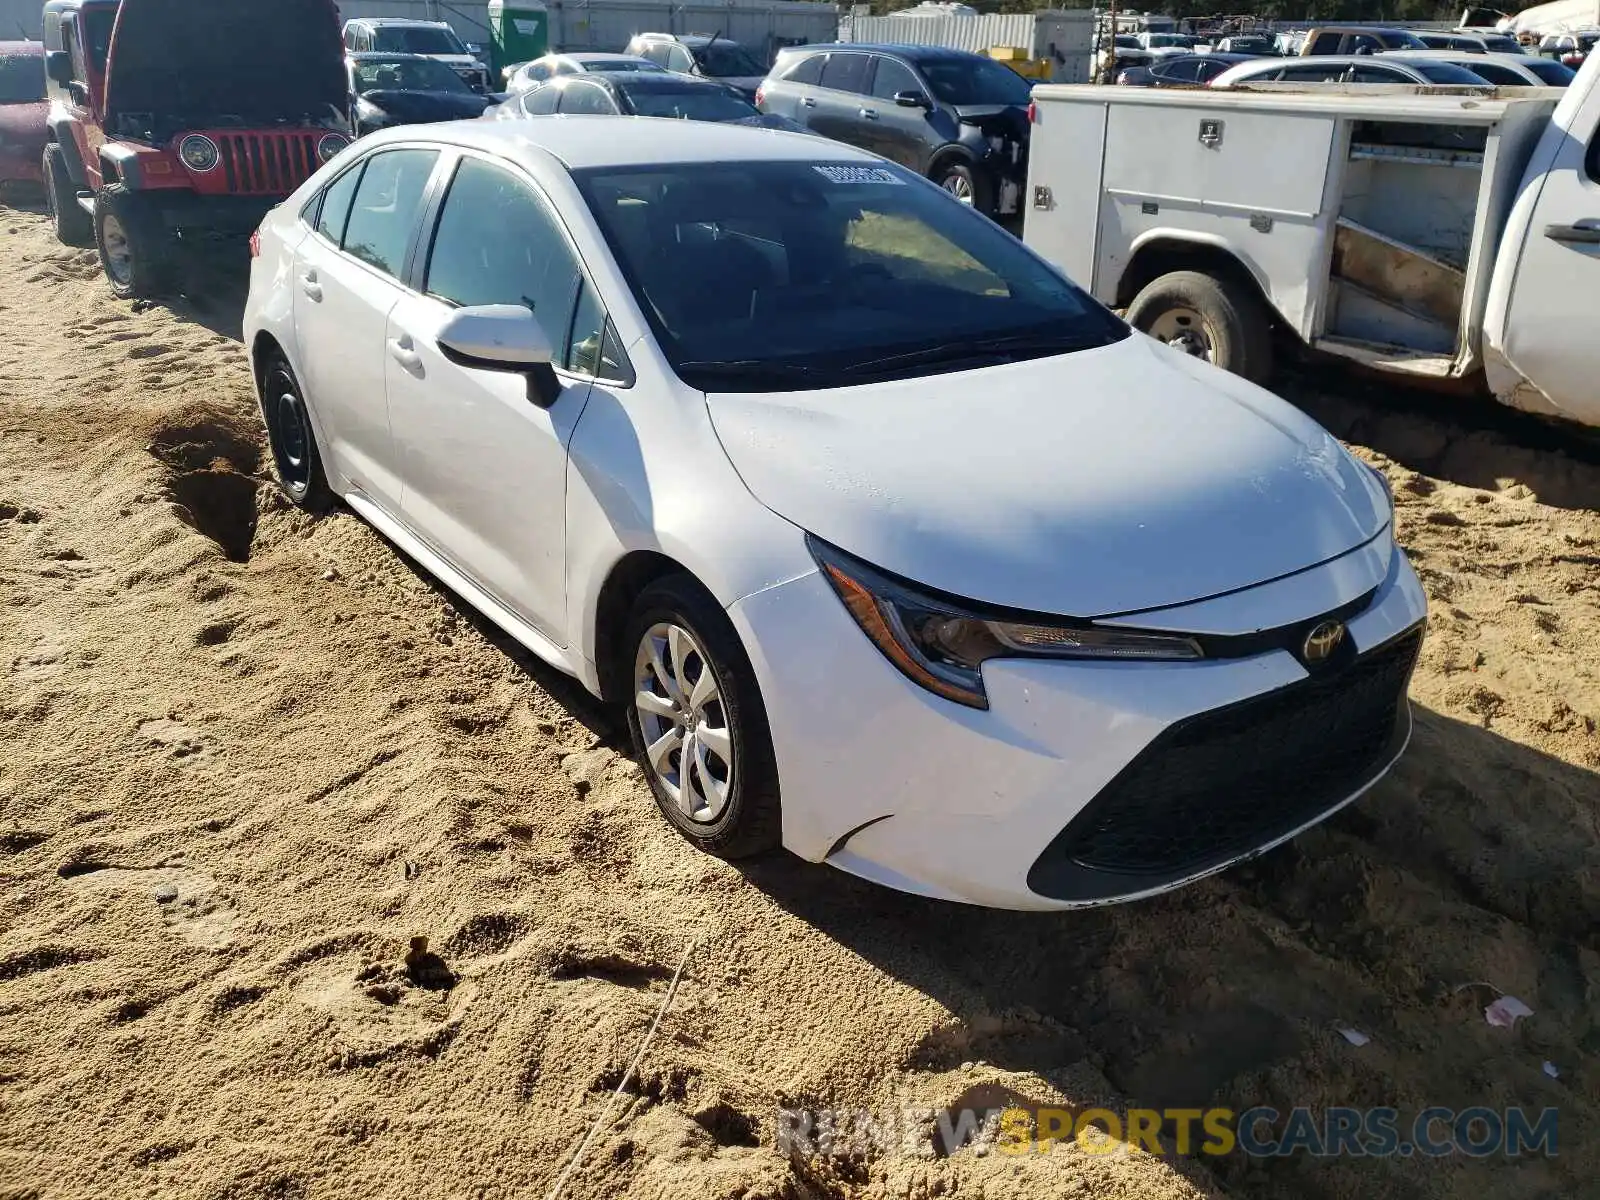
pixel 61 135
pixel 120 164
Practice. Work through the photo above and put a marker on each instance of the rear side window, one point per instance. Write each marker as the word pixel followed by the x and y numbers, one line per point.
pixel 335 201
pixel 541 102
pixel 807 70
pixel 847 73
pixel 387 206
pixel 1324 43
pixel 1308 74
pixel 679 59
pixel 497 243
pixel 1498 75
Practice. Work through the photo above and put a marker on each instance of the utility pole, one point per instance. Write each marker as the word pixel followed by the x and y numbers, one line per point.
pixel 1108 54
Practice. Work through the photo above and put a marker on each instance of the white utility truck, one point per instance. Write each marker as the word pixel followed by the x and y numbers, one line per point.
pixel 1451 234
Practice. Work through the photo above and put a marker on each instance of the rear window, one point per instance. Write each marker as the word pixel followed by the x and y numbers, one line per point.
pixel 689 104
pixel 21 78
pixel 1553 74
pixel 760 276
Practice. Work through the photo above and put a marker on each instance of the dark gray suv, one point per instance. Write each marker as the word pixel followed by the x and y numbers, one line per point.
pixel 960 119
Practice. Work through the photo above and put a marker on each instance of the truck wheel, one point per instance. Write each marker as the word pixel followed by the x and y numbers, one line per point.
pixel 964 184
pixel 1214 319
pixel 134 249
pixel 73 226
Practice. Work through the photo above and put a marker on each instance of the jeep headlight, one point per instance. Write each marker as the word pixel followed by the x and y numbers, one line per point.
pixel 199 153
pixel 329 145
pixel 942 645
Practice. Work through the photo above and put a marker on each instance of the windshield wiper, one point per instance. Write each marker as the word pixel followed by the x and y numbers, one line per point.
pixel 744 367
pixel 1001 349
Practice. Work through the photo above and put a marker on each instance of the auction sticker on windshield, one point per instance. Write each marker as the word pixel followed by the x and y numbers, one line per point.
pixel 858 175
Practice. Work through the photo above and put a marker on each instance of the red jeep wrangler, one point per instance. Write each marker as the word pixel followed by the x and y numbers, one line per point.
pixel 184 120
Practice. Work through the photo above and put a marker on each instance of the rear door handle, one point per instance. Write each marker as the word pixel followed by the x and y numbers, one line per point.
pixel 1584 233
pixel 807 102
pixel 310 286
pixel 400 349
pixel 870 114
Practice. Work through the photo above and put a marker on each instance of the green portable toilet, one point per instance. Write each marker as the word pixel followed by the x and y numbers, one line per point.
pixel 519 30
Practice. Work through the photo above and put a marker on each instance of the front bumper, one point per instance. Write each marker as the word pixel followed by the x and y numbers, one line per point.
pixel 195 217
pixel 889 782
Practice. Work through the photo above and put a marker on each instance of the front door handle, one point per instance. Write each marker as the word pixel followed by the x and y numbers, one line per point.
pixel 1585 233
pixel 807 102
pixel 400 349
pixel 869 114
pixel 310 286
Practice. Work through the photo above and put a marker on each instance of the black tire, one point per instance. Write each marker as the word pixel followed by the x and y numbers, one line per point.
pixel 138 262
pixel 296 459
pixel 72 225
pixel 750 820
pixel 956 177
pixel 1216 319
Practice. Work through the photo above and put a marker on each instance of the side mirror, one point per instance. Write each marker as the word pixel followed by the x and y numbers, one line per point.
pixel 502 337
pixel 58 66
pixel 909 99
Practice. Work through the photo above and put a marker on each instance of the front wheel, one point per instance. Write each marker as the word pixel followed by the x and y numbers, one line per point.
pixel 964 184
pixel 697 723
pixel 1206 317
pixel 135 251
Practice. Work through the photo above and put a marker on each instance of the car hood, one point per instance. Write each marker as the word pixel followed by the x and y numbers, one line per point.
pixel 428 106
pixel 24 122
pixel 1107 481
pixel 745 83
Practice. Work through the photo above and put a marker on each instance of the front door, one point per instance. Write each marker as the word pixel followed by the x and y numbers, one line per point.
pixel 900 134
pixel 484 465
pixel 346 281
pixel 1554 305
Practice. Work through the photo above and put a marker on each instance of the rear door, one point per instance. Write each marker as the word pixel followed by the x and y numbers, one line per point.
pixel 1553 306
pixel 346 279
pixel 842 100
pixel 794 94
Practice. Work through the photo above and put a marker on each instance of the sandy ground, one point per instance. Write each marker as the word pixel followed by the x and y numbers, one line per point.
pixel 249 756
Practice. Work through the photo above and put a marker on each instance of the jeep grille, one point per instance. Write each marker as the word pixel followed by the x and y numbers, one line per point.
pixel 269 163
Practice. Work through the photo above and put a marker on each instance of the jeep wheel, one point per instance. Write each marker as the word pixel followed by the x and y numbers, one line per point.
pixel 134 250
pixel 73 226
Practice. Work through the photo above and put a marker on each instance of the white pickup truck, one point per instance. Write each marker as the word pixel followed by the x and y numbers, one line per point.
pixel 1443 233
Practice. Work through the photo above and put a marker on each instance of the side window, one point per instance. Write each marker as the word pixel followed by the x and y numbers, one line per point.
pixel 335 210
pixel 1362 43
pixel 1324 43
pixel 593 349
pixel 69 43
pixel 1312 74
pixel 1374 74
pixel 892 77
pixel 588 98
pixel 1184 72
pixel 497 243
pixel 846 72
pixel 1498 75
pixel 388 203
pixel 807 70
pixel 537 72
pixel 679 59
pixel 349 39
pixel 540 102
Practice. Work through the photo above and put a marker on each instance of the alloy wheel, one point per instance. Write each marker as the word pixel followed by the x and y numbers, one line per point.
pixel 959 186
pixel 688 743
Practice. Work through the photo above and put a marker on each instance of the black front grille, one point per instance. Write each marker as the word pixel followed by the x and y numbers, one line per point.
pixel 1220 784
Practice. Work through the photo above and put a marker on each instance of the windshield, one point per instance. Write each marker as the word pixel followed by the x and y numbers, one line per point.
pixel 728 59
pixel 1552 73
pixel 1126 41
pixel 1248 44
pixel 961 81
pixel 21 78
pixel 406 75
pixel 1440 72
pixel 760 276
pixel 1170 39
pixel 709 103
pixel 417 39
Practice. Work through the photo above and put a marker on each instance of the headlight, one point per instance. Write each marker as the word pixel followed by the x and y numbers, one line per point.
pixel 942 646
pixel 199 153
pixel 330 144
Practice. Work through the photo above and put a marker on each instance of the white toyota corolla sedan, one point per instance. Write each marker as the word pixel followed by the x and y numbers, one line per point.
pixel 897 549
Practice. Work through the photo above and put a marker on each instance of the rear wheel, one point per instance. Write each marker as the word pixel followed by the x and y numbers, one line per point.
pixel 698 726
pixel 1214 319
pixel 72 225
pixel 293 441
pixel 134 250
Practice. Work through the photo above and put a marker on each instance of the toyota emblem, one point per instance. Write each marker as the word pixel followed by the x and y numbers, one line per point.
pixel 1324 638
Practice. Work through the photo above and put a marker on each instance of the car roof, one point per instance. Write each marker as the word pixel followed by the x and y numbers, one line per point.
pixel 395 21
pixel 903 49
pixel 578 144
pixel 1262 66
pixel 388 55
